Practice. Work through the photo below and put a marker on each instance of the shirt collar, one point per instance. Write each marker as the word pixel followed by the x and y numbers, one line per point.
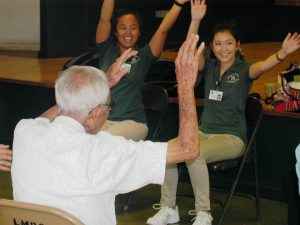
pixel 69 122
pixel 238 60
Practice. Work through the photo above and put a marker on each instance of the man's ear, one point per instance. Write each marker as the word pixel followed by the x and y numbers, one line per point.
pixel 98 111
pixel 91 120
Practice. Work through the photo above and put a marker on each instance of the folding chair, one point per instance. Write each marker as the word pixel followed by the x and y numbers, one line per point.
pixel 253 113
pixel 162 73
pixel 90 58
pixel 155 100
pixel 13 212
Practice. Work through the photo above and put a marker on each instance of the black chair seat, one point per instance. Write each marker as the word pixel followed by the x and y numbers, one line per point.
pixel 224 165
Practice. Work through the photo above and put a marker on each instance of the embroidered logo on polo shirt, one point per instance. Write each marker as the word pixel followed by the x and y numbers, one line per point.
pixel 232 78
pixel 133 59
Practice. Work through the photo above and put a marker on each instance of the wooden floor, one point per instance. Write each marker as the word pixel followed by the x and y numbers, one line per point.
pixel 31 69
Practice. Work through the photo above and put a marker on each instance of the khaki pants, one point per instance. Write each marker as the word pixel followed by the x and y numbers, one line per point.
pixel 212 148
pixel 127 128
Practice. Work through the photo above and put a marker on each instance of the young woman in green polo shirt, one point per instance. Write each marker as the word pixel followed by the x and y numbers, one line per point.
pixel 127 117
pixel 228 79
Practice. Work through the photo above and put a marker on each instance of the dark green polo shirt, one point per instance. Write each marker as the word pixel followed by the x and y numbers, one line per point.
pixel 228 115
pixel 126 95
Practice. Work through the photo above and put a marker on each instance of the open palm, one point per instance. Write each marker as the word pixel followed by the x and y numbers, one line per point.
pixel 198 9
pixel 291 43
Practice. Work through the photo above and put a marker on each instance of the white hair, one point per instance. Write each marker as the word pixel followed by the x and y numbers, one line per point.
pixel 79 89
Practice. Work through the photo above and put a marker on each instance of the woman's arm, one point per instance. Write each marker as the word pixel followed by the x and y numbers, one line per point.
pixel 290 44
pixel 104 24
pixel 198 11
pixel 158 40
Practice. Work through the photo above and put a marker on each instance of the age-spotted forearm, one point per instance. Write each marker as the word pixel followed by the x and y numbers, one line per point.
pixel 186 145
pixel 188 122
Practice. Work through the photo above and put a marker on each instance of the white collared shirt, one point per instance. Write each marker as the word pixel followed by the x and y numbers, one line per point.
pixel 59 164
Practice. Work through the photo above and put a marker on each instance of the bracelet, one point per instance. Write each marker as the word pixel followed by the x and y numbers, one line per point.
pixel 178 4
pixel 279 59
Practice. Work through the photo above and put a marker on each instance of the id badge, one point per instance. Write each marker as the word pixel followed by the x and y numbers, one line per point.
pixel 126 65
pixel 215 95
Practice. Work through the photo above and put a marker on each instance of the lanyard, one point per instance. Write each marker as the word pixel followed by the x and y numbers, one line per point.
pixel 218 82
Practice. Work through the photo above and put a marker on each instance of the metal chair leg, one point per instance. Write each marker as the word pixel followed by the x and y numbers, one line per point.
pixel 257 194
pixel 233 186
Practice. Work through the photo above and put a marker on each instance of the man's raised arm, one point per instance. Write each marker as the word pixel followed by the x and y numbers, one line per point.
pixel 186 146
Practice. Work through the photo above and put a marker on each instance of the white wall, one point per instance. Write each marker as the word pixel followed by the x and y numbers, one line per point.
pixel 20 24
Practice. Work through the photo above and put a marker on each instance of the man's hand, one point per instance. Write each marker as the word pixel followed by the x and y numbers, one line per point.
pixel 187 62
pixel 115 72
pixel 51 113
pixel 5 157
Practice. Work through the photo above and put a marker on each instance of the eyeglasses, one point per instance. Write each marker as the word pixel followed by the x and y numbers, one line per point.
pixel 109 106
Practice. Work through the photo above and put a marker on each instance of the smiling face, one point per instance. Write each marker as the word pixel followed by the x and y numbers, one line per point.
pixel 127 32
pixel 224 46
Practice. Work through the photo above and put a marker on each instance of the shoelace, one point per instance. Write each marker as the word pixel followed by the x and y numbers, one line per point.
pixel 157 206
pixel 193 213
pixel 162 213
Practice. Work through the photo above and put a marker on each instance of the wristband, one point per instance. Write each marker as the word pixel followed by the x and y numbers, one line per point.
pixel 279 59
pixel 178 4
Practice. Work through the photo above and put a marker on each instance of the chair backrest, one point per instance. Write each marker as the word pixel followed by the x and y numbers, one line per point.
pixel 90 58
pixel 13 212
pixel 161 70
pixel 162 73
pixel 253 114
pixel 155 100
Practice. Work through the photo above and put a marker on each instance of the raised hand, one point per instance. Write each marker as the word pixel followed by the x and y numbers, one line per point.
pixel 5 157
pixel 116 71
pixel 291 43
pixel 198 9
pixel 187 61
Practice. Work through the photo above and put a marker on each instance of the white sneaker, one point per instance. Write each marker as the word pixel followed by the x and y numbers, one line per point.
pixel 202 217
pixel 164 216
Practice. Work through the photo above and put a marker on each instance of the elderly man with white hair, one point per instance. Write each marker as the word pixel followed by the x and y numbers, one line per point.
pixel 61 159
